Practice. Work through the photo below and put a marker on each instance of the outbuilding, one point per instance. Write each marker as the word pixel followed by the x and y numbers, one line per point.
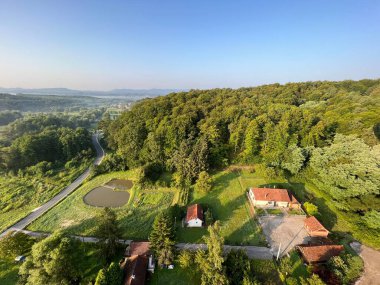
pixel 194 216
pixel 314 228
pixel 312 254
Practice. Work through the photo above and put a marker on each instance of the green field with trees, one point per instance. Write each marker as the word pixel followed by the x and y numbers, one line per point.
pixel 135 218
pixel 314 130
pixel 40 155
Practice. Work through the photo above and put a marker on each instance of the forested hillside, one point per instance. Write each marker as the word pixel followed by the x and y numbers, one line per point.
pixel 39 155
pixel 327 131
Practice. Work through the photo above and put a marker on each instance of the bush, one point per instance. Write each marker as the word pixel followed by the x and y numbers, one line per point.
pixel 372 219
pixel 346 267
pixel 209 219
pixel 310 208
pixel 186 259
pixel 203 183
pixel 153 171
pixel 14 244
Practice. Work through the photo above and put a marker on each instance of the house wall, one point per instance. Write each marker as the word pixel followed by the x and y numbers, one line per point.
pixel 318 233
pixel 261 203
pixel 282 204
pixel 195 223
pixel 295 206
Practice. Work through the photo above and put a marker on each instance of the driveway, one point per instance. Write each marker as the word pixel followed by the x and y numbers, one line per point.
pixel 38 212
pixel 371 258
pixel 257 252
pixel 284 232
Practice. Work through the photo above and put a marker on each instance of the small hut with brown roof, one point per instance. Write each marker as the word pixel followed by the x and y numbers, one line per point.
pixel 271 197
pixel 139 260
pixel 314 228
pixel 319 253
pixel 194 216
pixel 135 270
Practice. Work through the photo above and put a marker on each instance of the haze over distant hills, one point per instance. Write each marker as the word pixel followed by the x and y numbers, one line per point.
pixel 130 93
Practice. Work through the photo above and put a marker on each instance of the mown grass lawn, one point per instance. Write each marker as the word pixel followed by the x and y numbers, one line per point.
pixel 176 276
pixel 135 218
pixel 228 203
pixel 266 271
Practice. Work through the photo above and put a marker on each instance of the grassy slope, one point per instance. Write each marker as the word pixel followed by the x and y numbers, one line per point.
pixel 18 195
pixel 135 218
pixel 229 204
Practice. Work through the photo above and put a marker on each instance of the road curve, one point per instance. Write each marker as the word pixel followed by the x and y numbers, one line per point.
pixel 38 212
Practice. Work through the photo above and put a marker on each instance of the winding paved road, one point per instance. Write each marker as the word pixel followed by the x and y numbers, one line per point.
pixel 371 258
pixel 38 212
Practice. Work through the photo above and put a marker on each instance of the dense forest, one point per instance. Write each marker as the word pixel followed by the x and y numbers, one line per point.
pixel 327 131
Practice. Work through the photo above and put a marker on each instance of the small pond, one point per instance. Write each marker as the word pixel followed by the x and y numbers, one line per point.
pixel 121 184
pixel 106 197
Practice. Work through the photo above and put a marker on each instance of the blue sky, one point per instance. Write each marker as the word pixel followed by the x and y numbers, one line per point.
pixel 102 45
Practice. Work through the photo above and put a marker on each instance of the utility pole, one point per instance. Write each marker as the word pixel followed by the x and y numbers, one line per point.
pixel 278 253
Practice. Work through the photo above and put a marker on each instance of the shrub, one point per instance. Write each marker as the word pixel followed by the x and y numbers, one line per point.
pixel 203 183
pixel 310 208
pixel 186 259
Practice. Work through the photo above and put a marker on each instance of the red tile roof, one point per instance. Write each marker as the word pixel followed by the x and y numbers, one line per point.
pixel 313 225
pixel 271 194
pixel 319 253
pixel 135 270
pixel 139 248
pixel 194 212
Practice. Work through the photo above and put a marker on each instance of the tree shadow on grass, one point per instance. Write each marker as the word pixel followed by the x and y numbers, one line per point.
pixel 83 227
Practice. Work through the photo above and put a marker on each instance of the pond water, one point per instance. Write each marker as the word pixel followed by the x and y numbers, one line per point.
pixel 121 184
pixel 106 197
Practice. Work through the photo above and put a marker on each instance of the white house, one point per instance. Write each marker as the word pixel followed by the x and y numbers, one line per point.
pixel 194 216
pixel 270 197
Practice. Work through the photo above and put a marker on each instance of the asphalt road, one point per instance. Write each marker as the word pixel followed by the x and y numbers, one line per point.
pixel 257 252
pixel 38 212
pixel 371 258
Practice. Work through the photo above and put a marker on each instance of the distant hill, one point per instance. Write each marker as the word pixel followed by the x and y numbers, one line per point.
pixel 133 94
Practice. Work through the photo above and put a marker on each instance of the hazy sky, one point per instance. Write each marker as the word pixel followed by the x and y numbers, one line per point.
pixel 186 43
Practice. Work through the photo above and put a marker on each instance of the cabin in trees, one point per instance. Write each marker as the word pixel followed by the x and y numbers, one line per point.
pixel 139 260
pixel 194 216
pixel 271 197
pixel 314 228
pixel 313 254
